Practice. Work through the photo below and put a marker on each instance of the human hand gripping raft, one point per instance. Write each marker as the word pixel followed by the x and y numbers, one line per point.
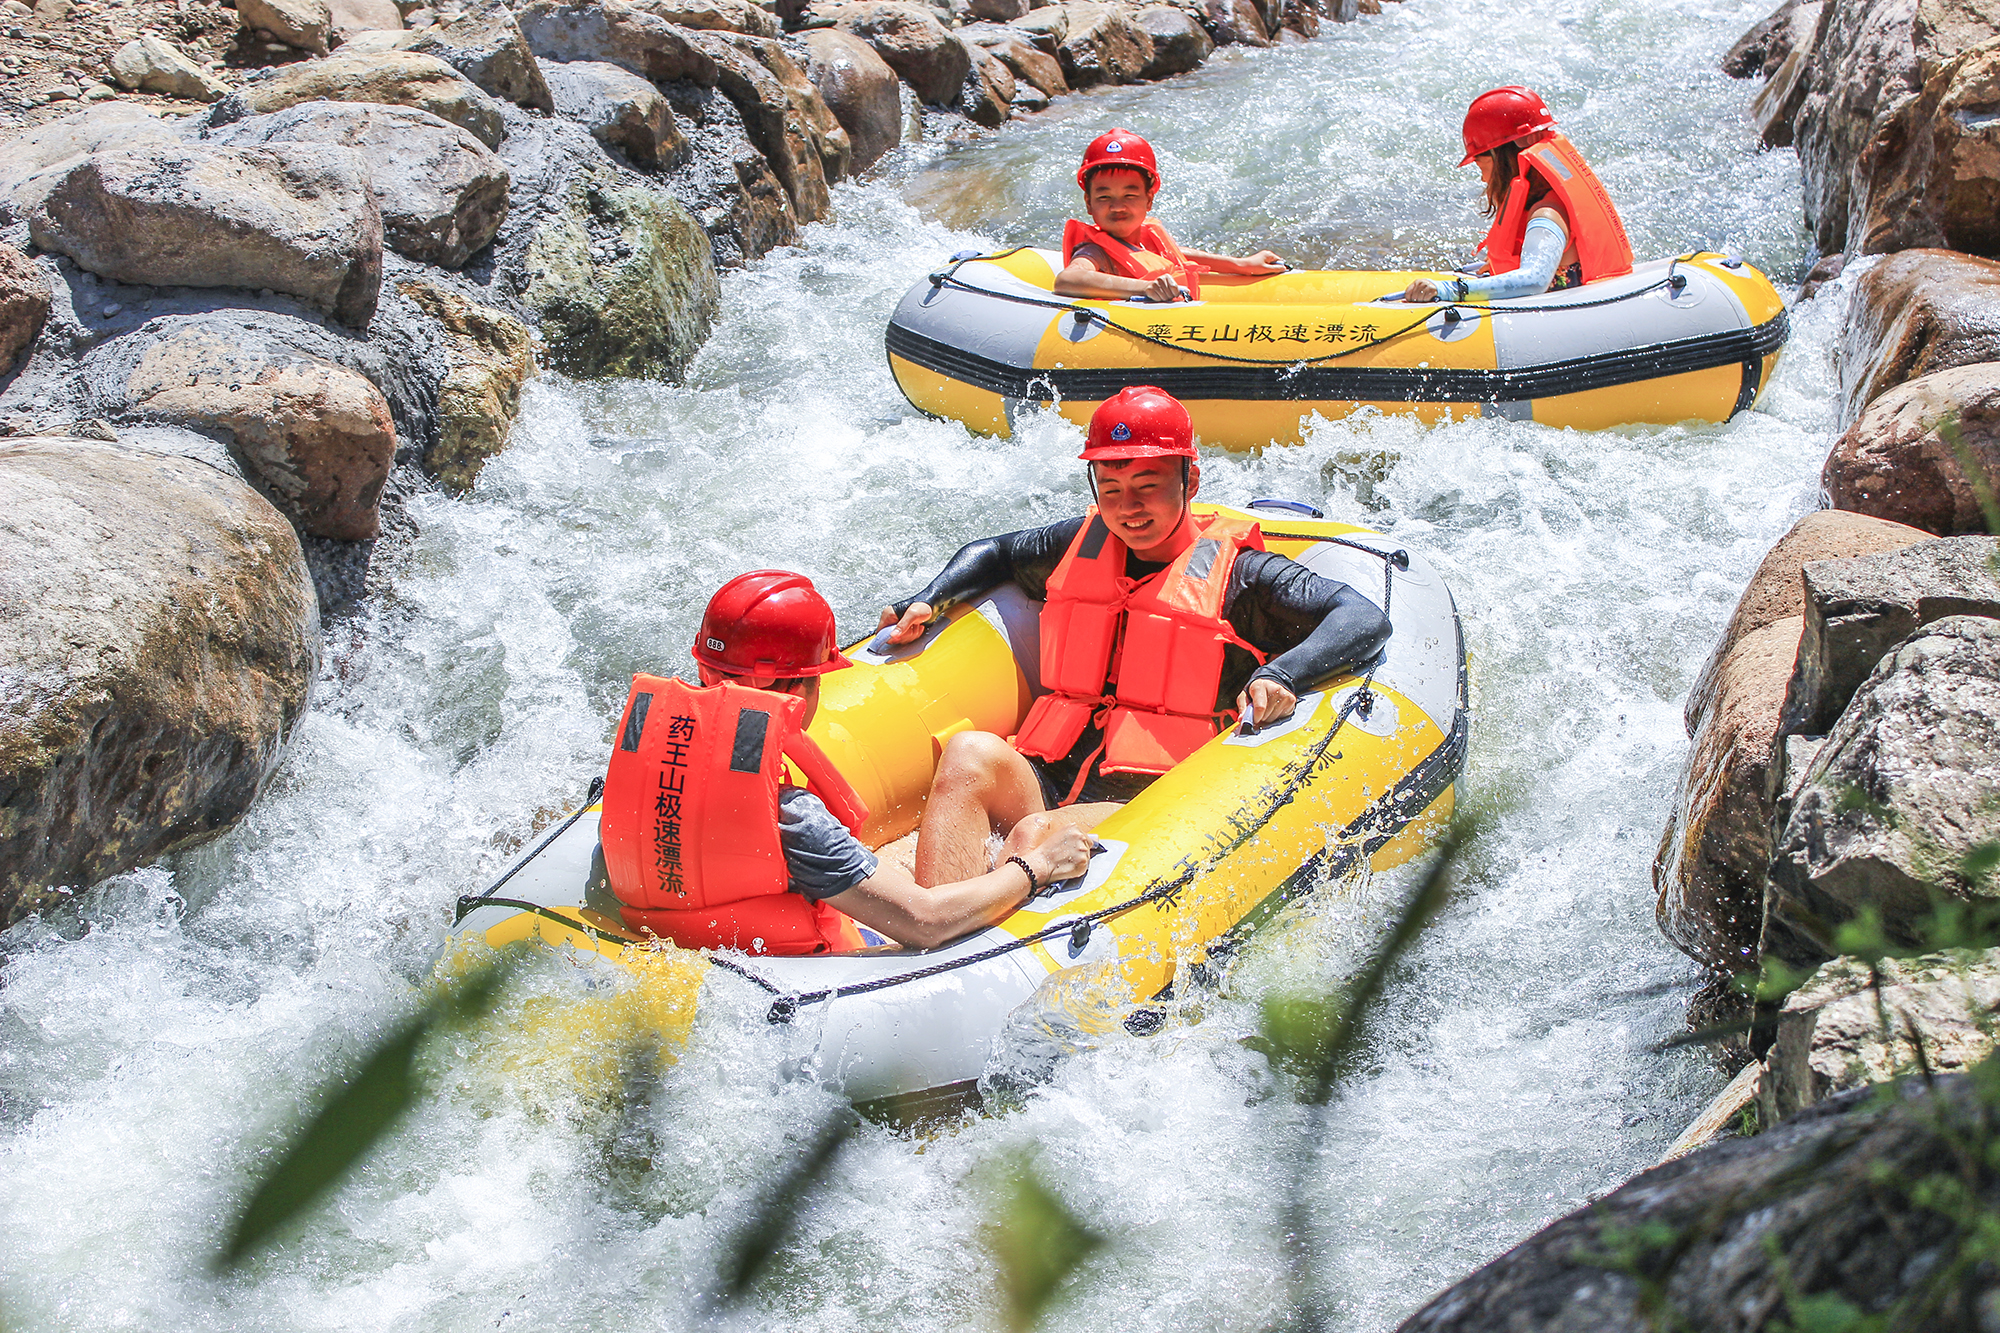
pixel 1123 252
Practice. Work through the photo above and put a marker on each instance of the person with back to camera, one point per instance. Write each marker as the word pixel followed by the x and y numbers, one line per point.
pixel 707 844
pixel 1139 582
pixel 1553 224
pixel 1123 251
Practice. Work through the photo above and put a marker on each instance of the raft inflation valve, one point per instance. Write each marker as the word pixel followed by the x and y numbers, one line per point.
pixel 1451 315
pixel 1678 282
pixel 1399 558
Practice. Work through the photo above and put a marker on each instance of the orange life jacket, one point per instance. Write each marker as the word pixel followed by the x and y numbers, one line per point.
pixel 1155 254
pixel 1595 232
pixel 690 822
pixel 1146 653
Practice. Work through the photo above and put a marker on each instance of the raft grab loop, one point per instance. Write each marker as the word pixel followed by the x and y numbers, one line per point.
pixel 785 1007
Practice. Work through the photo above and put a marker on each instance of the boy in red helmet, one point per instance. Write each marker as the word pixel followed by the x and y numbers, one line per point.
pixel 1123 251
pixel 1137 581
pixel 706 844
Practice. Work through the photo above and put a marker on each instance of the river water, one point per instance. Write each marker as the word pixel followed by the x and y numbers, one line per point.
pixel 156 1036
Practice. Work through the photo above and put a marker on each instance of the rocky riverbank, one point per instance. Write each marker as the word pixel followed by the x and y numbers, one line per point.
pixel 1838 797
pixel 267 267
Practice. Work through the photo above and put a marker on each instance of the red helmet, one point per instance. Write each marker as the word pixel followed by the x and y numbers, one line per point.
pixel 768 623
pixel 1120 148
pixel 1502 116
pixel 1139 422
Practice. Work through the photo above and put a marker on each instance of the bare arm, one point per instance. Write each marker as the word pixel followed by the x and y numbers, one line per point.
pixel 1264 261
pixel 1081 278
pixel 896 905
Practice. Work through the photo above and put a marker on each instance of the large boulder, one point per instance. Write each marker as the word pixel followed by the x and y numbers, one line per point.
pixel 347 19
pixel 158 638
pixel 487 46
pixel 149 64
pixel 998 11
pixel 1871 59
pixel 1016 48
pixel 714 15
pixel 620 109
pixel 988 96
pixel 785 116
pixel 1179 43
pixel 1235 22
pixel 32 163
pixel 395 78
pixel 315 436
pixel 1900 792
pixel 909 38
pixel 295 218
pixel 1830 1036
pixel 1046 27
pixel 304 24
pixel 1902 460
pixel 1766 45
pixel 1739 1235
pixel 1857 609
pixel 1710 870
pixel 1931 175
pixel 24 305
pixel 1104 45
pixel 727 184
pixel 621 278
pixel 616 33
pixel 1777 103
pixel 859 88
pixel 441 192
pixel 1914 313
pixel 493 355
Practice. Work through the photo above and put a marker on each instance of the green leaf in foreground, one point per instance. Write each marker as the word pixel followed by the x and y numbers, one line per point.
pixel 1037 1242
pixel 355 1112
pixel 759 1239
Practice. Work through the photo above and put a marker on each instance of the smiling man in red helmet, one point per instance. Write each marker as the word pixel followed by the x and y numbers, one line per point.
pixel 1123 251
pixel 1158 626
pixel 707 844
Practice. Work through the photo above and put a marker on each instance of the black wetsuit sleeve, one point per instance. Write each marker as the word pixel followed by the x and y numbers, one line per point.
pixel 1312 626
pixel 1025 559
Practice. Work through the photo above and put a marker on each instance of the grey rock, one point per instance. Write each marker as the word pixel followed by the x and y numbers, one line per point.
pixel 714 15
pixel 859 88
pixel 30 164
pixel 487 46
pixel 727 183
pixel 1777 103
pixel 1689 1243
pixel 620 109
pixel 1179 42
pixel 1857 609
pixel 1931 176
pixel 1047 26
pixel 1764 47
pixel 1915 313
pixel 921 50
pixel 296 218
pixel 1103 46
pixel 24 305
pixel 1830 1036
pixel 441 192
pixel 1238 22
pixel 393 78
pixel 785 116
pixel 158 639
pixel 988 97
pixel 149 64
pixel 1899 793
pixel 1027 61
pixel 493 355
pixel 315 436
pixel 304 24
pixel 616 33
pixel 349 18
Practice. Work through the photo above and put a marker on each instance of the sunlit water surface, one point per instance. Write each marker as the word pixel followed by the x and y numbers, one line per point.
pixel 154 1040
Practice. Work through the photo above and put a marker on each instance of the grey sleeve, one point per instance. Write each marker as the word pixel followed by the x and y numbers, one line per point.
pixel 821 857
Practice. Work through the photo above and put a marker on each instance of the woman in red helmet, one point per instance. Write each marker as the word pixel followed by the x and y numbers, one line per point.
pixel 706 843
pixel 1553 224
pixel 1136 581
pixel 1123 251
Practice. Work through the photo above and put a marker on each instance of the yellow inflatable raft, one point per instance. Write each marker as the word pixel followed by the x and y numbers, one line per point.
pixel 1255 360
pixel 1364 769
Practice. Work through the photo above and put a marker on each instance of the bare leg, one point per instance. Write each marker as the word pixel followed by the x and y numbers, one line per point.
pixel 983 786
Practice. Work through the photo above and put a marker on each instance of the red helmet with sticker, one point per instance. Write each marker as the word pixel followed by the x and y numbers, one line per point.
pixel 1119 148
pixel 1139 422
pixel 768 623
pixel 1503 115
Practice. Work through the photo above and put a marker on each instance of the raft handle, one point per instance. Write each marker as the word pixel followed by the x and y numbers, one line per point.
pixel 1079 936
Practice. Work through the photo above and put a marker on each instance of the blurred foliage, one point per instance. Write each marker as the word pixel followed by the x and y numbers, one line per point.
pixel 355 1110
pixel 749 1252
pixel 1036 1241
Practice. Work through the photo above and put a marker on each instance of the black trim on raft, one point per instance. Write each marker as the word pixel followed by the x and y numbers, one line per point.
pixel 1753 379
pixel 1283 381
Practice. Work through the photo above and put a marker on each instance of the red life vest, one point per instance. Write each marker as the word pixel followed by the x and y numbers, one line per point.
pixel 1595 232
pixel 690 822
pixel 1155 254
pixel 1149 653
